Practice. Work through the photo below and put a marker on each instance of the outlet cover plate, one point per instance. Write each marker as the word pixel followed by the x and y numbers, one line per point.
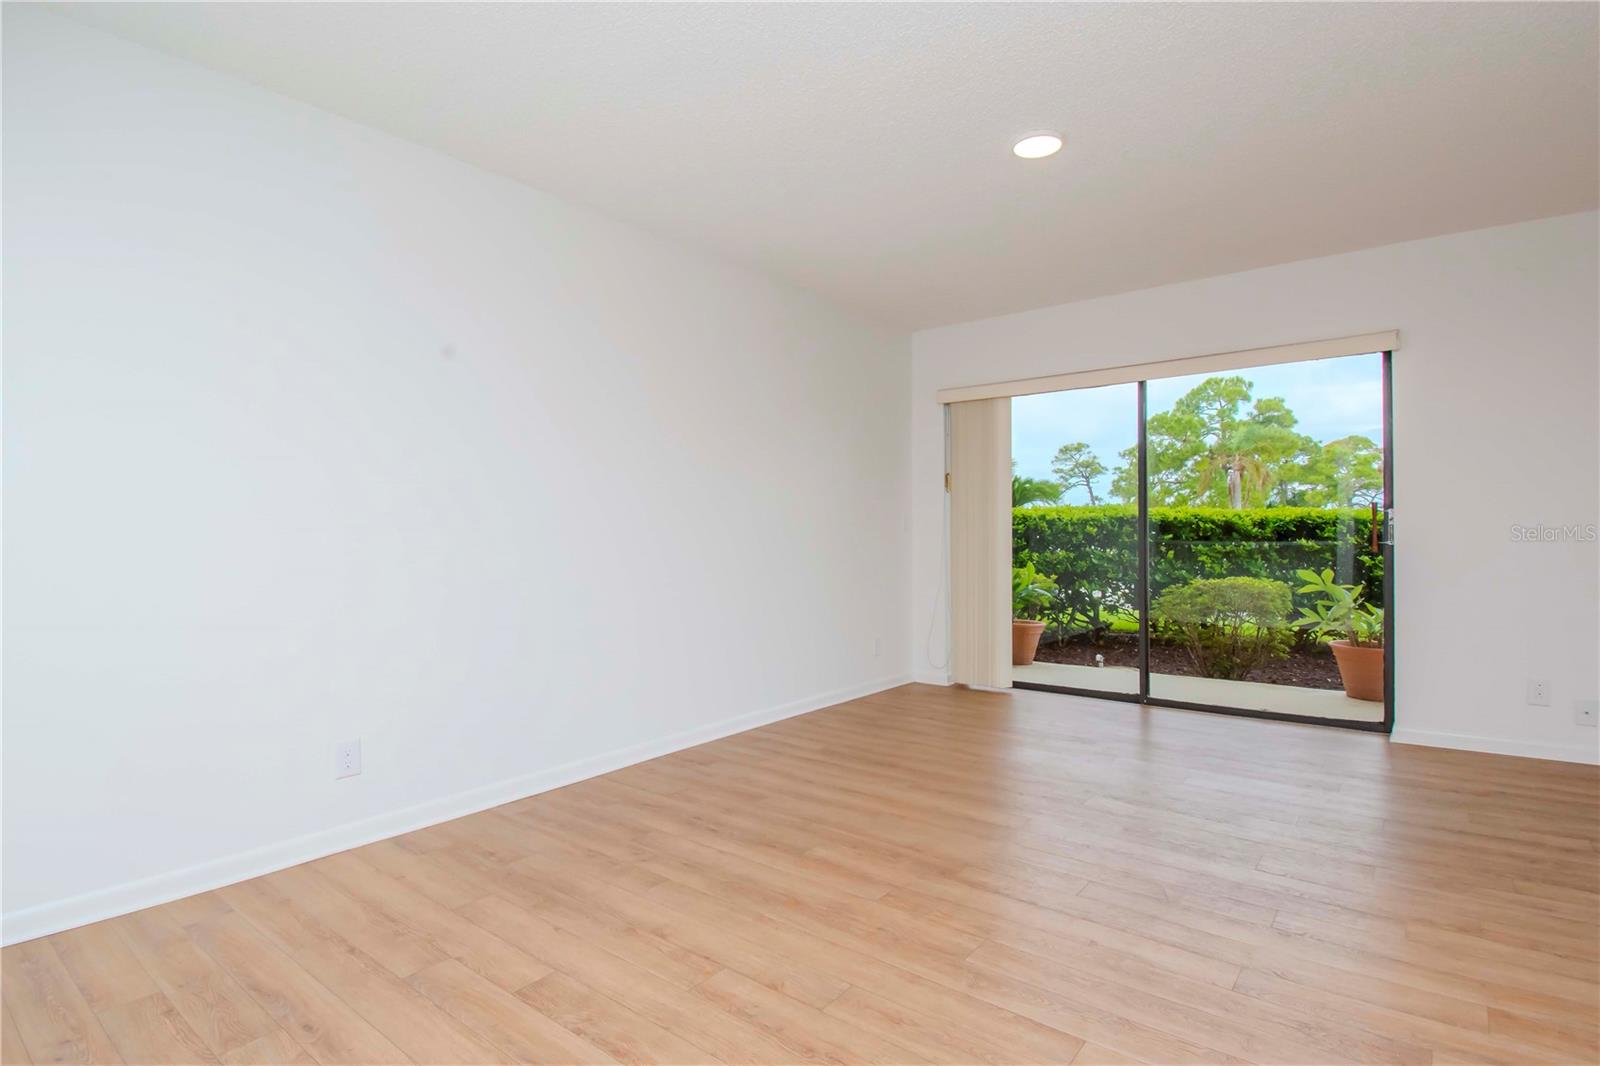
pixel 347 759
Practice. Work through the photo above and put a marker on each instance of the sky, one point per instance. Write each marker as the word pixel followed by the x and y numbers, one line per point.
pixel 1332 398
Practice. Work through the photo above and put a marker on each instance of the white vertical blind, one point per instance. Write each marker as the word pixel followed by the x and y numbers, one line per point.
pixel 980 543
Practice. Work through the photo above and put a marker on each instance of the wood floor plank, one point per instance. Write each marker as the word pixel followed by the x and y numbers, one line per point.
pixel 12 1049
pixel 374 932
pixel 197 908
pixel 55 1022
pixel 933 1037
pixel 407 1019
pixel 779 971
pixel 319 1020
pixel 674 1009
pixel 1013 1035
pixel 1090 1021
pixel 1220 1019
pixel 811 1035
pixel 623 1034
pixel 446 887
pixel 445 932
pixel 103 967
pixel 276 1048
pixel 1576 1037
pixel 215 1005
pixel 1366 987
pixel 1446 1042
pixel 1006 919
pixel 511 1024
pixel 152 1030
pixel 922 875
pixel 605 930
pixel 1095 1055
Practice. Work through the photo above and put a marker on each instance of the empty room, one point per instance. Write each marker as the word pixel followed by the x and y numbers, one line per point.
pixel 967 533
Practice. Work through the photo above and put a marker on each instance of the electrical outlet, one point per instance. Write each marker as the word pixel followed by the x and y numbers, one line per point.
pixel 347 759
pixel 1538 692
pixel 1584 711
pixel 877 647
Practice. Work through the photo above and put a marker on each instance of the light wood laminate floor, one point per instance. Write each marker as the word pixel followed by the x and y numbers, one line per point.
pixel 924 875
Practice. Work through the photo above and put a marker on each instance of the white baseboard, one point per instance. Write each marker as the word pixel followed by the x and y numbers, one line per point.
pixel 47 918
pixel 1499 746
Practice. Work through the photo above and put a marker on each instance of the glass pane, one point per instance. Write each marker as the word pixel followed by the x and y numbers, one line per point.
pixel 1263 482
pixel 1075 524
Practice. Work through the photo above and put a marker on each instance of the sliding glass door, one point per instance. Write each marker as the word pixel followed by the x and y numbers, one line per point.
pixel 1214 541
pixel 1075 540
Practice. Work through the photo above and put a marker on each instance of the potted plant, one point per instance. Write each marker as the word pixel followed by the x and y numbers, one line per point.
pixel 1342 610
pixel 1030 597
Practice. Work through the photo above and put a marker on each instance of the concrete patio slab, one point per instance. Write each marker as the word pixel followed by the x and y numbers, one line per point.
pixel 1246 695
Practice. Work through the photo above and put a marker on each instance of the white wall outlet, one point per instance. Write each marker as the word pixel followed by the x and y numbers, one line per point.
pixel 1538 692
pixel 347 758
pixel 877 647
pixel 1584 711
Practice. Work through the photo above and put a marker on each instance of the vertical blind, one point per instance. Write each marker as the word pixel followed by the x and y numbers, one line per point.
pixel 980 543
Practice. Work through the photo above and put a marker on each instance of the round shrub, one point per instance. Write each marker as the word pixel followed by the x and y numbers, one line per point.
pixel 1228 625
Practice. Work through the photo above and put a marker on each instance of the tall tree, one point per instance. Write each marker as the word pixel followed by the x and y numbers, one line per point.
pixel 1347 472
pixel 1211 450
pixel 1076 464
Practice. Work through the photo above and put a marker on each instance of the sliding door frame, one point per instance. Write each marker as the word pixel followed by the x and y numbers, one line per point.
pixel 1142 591
pixel 1142 586
pixel 1388 543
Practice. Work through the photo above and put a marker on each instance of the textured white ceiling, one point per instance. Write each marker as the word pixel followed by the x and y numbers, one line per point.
pixel 862 150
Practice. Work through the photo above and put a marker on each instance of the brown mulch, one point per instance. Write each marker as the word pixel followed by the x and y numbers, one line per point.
pixel 1308 667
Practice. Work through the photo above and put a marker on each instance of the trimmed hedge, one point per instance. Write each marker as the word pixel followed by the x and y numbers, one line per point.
pixel 1089 550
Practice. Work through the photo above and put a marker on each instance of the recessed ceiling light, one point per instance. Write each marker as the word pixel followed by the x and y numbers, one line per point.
pixel 1037 146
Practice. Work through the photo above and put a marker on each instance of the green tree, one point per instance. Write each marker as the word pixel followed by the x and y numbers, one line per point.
pixel 1213 450
pixel 1075 464
pixel 1125 478
pixel 1347 472
pixel 1027 490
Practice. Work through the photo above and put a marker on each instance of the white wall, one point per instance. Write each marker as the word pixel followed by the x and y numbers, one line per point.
pixel 315 434
pixel 1495 408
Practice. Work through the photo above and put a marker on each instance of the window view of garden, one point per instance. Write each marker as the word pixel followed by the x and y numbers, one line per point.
pixel 1265 571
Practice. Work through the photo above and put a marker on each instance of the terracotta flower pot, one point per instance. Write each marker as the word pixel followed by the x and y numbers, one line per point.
pixel 1025 641
pixel 1361 669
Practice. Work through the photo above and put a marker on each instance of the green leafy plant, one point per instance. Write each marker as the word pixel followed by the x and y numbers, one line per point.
pixel 1339 610
pixel 1030 490
pixel 1092 554
pixel 1228 625
pixel 1030 592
